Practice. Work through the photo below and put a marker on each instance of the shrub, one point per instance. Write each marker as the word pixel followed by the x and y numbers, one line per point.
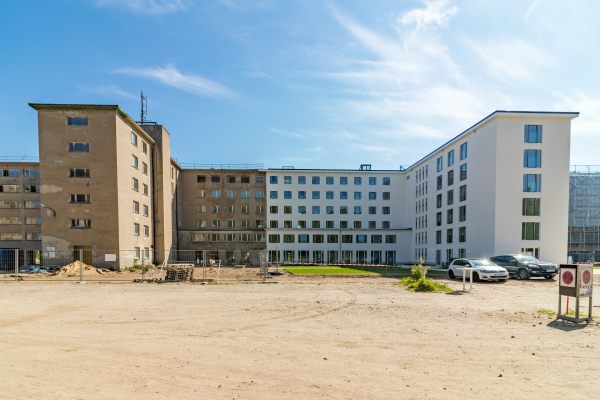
pixel 418 281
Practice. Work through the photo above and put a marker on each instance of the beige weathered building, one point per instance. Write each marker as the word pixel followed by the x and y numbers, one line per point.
pixel 20 216
pixel 223 213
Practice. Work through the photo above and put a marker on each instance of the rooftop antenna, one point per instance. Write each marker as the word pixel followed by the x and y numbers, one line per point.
pixel 144 107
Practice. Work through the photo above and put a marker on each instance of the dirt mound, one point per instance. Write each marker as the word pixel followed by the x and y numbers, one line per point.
pixel 72 269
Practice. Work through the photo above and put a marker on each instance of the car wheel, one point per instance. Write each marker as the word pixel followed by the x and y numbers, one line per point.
pixel 451 274
pixel 475 277
pixel 522 274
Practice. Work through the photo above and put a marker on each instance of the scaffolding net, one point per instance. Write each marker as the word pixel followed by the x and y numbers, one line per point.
pixel 584 213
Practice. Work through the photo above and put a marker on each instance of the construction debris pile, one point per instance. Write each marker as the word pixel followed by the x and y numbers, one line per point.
pixel 179 272
pixel 77 267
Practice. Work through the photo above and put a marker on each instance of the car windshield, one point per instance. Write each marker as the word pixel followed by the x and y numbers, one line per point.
pixel 482 263
pixel 527 258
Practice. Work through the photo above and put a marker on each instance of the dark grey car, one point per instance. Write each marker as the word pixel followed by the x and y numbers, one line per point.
pixel 524 267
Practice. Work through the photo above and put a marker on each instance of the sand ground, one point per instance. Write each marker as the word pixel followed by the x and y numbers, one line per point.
pixel 337 338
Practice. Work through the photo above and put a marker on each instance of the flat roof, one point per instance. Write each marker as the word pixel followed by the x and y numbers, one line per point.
pixel 562 114
pixel 105 107
pixel 366 171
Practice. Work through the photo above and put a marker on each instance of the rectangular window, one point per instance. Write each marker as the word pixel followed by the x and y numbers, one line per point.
pixel 135 184
pixel 532 158
pixel 357 224
pixel 301 224
pixel 358 180
pixel 146 230
pixel 531 207
pixel 287 194
pixel 273 238
pixel 329 195
pixel 273 210
pixel 357 195
pixel 376 239
pixel 390 238
pixel 200 178
pixel 372 224
pixel 332 238
pixel 450 197
pixel 316 209
pixel 343 224
pixel 316 180
pixel 134 139
pixel 78 147
pixel 329 224
pixel 462 194
pixel 329 180
pixel 343 180
pixel 317 239
pixel 463 172
pixel 385 210
pixel 301 209
pixel 463 151
pixel 316 195
pixel 81 223
pixel 245 179
pixel 230 209
pixel 462 234
pixel 301 195
pixel 438 237
pixel 532 182
pixel 134 161
pixel 449 216
pixel 438 219
pixel 303 238
pixel 316 224
pixel 145 210
pixel 372 180
pixel 533 134
pixel 449 235
pixel 438 199
pixel 288 239
pixel 343 195
pixel 80 198
pixel 287 180
pixel 216 223
pixel 273 194
pixel 462 213
pixel 372 195
pixel 329 210
pixel 439 182
pixel 440 163
pixel 361 238
pixel 287 209
pixel 274 224
pixel 386 181
pixel 145 189
pixel 273 179
pixel 245 194
pixel 530 231
pixel 357 210
pixel 450 177
pixel 144 147
pixel 301 180
pixel 451 158
pixel 343 210
pixel 77 121
pixel 346 238
pixel 372 210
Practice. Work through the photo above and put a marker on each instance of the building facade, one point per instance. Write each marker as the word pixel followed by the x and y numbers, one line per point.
pixel 106 184
pixel 584 213
pixel 222 214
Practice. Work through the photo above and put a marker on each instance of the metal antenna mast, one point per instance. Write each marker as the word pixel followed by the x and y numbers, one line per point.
pixel 144 107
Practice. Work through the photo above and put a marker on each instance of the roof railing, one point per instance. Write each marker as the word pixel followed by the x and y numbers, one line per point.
pixel 221 166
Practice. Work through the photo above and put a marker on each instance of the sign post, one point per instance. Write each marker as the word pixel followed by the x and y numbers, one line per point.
pixel 575 281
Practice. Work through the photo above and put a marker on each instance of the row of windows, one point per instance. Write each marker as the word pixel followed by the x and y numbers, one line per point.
pixel 136 208
pixel 136 230
pixel 19 188
pixel 450 157
pixel 135 164
pixel 78 223
pixel 19 236
pixel 347 256
pixel 260 179
pixel 216 223
pixel 134 142
pixel 462 216
pixel 138 254
pixel 421 189
pixel 330 180
pixel 230 194
pixel 135 185
pixel 462 171
pixel 330 210
pixel 462 196
pixel 318 238
pixel 422 173
pixel 228 237
pixel 462 235
pixel 230 208
pixel 19 221
pixel 15 172
pixel 329 195
pixel 316 224
pixel 19 204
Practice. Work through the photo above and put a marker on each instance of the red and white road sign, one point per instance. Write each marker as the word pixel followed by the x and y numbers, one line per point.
pixel 567 277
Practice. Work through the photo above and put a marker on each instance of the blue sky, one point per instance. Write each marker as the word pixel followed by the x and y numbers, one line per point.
pixel 304 83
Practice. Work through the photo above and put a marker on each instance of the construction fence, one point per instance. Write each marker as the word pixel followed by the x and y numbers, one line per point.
pixel 133 265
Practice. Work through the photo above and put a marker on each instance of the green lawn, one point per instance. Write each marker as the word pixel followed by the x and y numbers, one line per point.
pixel 356 270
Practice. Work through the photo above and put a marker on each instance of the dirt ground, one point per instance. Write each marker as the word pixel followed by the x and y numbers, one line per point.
pixel 334 338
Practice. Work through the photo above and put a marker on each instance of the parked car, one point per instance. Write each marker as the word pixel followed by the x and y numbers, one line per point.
pixel 523 266
pixel 483 269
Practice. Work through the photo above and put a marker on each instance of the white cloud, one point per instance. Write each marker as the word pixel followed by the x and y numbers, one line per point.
pixel 436 12
pixel 155 7
pixel 109 91
pixel 171 76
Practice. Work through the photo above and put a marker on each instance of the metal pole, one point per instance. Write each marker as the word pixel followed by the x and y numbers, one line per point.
pixel 577 305
pixel 471 279
pixel 80 265
pixel 16 264
pixel 143 266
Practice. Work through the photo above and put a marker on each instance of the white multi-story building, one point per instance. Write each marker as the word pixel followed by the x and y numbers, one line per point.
pixel 337 216
pixel 480 194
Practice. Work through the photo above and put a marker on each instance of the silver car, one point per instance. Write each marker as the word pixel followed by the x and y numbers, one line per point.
pixel 483 269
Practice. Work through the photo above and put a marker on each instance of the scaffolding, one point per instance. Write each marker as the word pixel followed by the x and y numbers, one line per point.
pixel 584 213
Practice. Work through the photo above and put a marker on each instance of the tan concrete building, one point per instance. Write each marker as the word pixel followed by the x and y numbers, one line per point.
pixel 222 214
pixel 20 213
pixel 99 171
